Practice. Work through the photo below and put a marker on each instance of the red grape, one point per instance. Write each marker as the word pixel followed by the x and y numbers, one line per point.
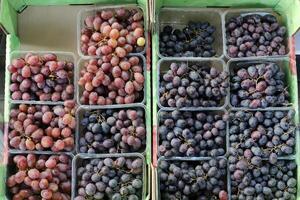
pixel 114 61
pixel 33 174
pixel 129 88
pixel 129 99
pixel 97 23
pixel 139 78
pixel 128 48
pixel 114 34
pixel 26 73
pixel 46 194
pixel 112 43
pixel 96 37
pixel 120 52
pixel 89 21
pixel 116 71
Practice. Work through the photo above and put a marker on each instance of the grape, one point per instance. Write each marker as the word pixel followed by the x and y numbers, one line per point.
pixel 141 41
pixel 209 143
pixel 115 129
pixel 47 194
pixel 120 52
pixel 251 141
pixel 36 181
pixel 196 92
pixel 41 129
pixel 263 91
pixel 184 42
pixel 139 78
pixel 274 183
pixel 20 176
pixel 129 87
pixel 107 84
pixel 26 73
pixel 33 79
pixel 30 145
pixel 111 26
pixel 114 34
pixel 246 33
pixel 188 171
pixel 107 185
pixel 43 184
pixel 18 63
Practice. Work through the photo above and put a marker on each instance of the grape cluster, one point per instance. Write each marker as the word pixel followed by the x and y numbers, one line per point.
pixel 255 35
pixel 113 131
pixel 257 135
pixel 259 86
pixel 263 181
pixel 41 78
pixel 192 86
pixel 203 180
pixel 194 40
pixel 112 80
pixel 42 127
pixel 192 134
pixel 113 31
pixel 40 177
pixel 110 178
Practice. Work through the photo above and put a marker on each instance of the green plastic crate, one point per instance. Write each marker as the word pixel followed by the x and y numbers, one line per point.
pixel 23 34
pixel 289 11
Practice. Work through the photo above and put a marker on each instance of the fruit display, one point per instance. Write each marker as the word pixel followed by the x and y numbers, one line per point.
pixel 261 134
pixel 260 85
pixel 194 40
pixel 194 85
pixel 113 31
pixel 112 131
pixel 192 134
pixel 181 100
pixel 110 178
pixel 41 78
pixel 200 180
pixel 255 35
pixel 112 80
pixel 42 127
pixel 263 180
pixel 36 177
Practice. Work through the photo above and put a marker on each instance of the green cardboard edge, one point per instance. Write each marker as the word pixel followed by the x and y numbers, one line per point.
pixel 8 17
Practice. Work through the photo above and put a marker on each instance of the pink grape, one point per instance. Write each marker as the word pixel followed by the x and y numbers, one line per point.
pixel 119 83
pixel 96 37
pixel 125 75
pixel 89 21
pixel 114 34
pixel 97 23
pixel 18 63
pixel 106 14
pixel 129 87
pixel 114 61
pixel 139 78
pixel 112 43
pixel 106 50
pixel 129 99
pixel 120 52
pixel 128 48
pixel 125 65
pixel 26 73
pixel 116 71
pixel 138 32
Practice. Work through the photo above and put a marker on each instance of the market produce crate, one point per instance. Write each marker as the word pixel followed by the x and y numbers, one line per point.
pixel 80 159
pixel 285 12
pixel 22 22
